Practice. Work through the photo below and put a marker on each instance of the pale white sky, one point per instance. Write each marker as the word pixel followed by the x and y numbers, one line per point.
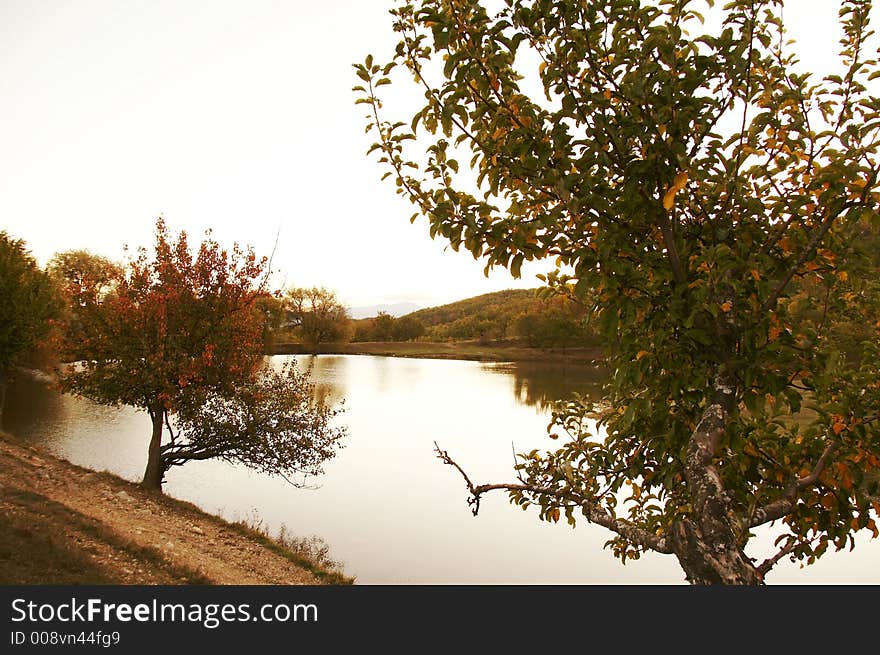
pixel 237 116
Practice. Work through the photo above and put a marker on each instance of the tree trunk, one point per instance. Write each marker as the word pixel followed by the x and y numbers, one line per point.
pixel 711 560
pixel 707 543
pixel 155 466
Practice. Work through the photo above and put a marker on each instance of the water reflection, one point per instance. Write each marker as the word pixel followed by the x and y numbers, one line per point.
pixel 387 508
pixel 540 384
pixel 31 406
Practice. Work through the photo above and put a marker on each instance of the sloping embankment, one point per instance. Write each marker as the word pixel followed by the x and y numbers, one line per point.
pixel 63 524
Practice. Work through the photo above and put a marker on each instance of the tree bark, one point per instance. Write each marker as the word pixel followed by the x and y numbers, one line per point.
pixel 155 470
pixel 707 543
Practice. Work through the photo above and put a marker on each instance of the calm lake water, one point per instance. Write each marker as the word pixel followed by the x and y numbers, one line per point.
pixel 389 510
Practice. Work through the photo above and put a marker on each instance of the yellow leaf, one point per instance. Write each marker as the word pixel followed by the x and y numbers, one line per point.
pixel 678 183
pixel 843 276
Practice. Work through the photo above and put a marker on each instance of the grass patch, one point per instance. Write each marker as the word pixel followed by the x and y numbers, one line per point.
pixel 310 553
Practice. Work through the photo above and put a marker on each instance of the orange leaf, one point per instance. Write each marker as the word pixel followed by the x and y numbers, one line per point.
pixel 726 307
pixel 838 427
pixel 641 353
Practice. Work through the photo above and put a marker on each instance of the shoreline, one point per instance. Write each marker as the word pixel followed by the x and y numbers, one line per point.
pixel 461 350
pixel 76 525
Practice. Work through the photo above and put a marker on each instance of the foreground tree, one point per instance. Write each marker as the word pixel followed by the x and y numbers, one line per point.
pixel 318 316
pixel 28 304
pixel 709 197
pixel 180 335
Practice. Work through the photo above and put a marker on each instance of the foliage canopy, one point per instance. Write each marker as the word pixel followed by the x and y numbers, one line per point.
pixel 180 335
pixel 28 303
pixel 317 316
pixel 708 198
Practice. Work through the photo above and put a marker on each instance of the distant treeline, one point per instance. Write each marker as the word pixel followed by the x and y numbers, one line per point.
pixel 514 314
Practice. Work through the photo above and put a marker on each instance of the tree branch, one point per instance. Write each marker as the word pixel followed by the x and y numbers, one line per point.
pixel 590 509
pixel 782 506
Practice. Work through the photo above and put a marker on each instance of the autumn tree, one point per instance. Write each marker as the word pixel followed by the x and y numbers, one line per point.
pixel 84 280
pixel 179 335
pixel 318 316
pixel 28 303
pixel 694 181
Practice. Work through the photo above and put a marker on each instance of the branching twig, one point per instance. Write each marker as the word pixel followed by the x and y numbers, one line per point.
pixel 589 507
pixel 782 506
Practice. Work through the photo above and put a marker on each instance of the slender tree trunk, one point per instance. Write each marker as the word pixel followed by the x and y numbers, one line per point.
pixel 155 466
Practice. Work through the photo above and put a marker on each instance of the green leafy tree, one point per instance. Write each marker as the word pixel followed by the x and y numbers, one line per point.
pixel 383 327
pixel 84 279
pixel 180 335
pixel 272 309
pixel 692 181
pixel 318 316
pixel 28 303
pixel 407 328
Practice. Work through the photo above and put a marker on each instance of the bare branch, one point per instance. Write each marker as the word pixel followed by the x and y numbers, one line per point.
pixel 769 563
pixel 589 507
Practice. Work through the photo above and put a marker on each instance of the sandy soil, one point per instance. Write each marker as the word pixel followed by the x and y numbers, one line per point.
pixel 130 535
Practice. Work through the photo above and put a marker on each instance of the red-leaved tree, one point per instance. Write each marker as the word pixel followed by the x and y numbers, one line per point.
pixel 178 331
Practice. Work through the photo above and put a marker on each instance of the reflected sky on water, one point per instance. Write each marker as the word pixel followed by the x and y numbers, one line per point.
pixel 388 508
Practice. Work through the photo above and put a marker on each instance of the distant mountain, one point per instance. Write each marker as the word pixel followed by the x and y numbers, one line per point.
pixel 395 309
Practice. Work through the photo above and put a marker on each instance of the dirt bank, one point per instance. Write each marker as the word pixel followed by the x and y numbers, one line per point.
pixel 63 524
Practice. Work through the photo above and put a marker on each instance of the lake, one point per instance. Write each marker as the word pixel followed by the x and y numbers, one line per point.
pixel 386 506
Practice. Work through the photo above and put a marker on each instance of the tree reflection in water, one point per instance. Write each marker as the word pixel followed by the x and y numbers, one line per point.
pixel 540 384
